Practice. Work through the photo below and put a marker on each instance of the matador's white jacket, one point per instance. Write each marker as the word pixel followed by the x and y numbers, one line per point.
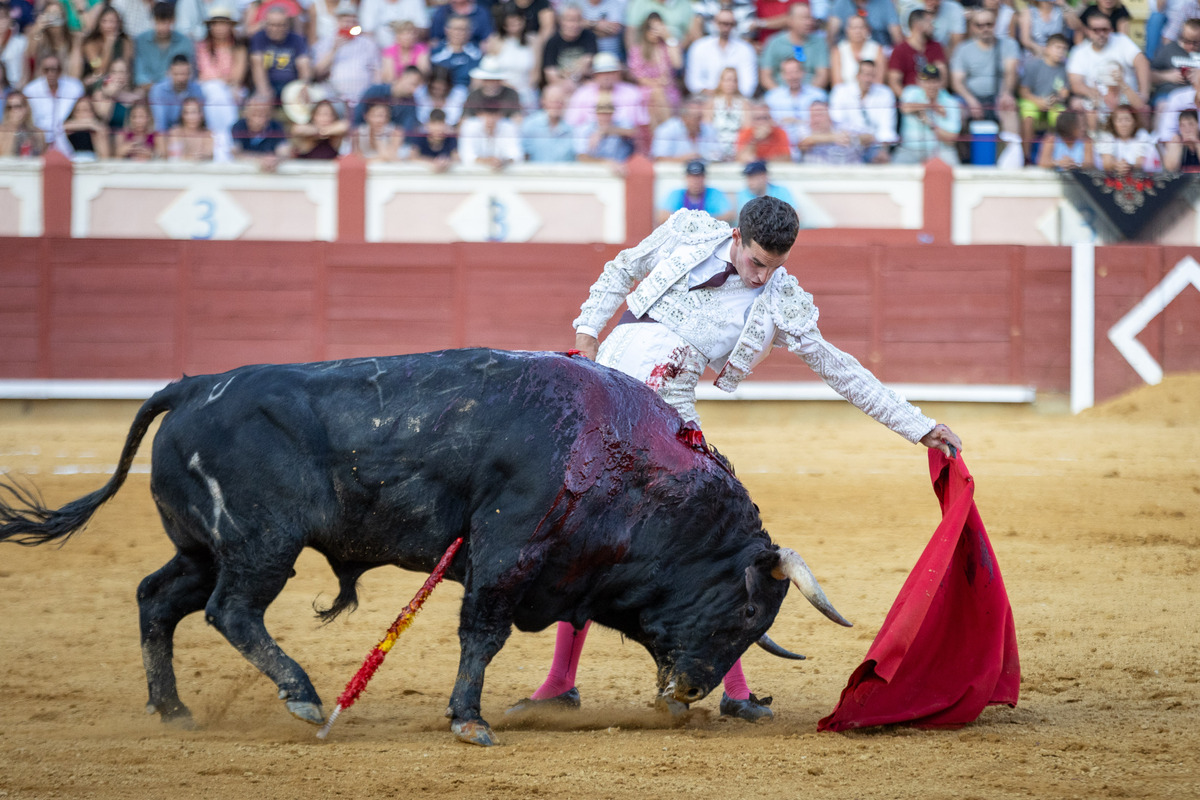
pixel 782 315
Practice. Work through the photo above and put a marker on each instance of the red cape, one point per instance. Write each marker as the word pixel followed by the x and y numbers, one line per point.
pixel 948 647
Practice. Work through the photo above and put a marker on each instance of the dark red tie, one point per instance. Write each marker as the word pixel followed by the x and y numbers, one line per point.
pixel 716 280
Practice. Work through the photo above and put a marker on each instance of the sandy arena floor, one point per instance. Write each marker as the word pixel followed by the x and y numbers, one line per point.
pixel 1095 521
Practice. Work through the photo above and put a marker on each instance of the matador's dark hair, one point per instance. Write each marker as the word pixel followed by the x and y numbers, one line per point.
pixel 771 222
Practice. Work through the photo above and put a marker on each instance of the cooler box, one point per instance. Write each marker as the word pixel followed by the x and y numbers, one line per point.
pixel 983 142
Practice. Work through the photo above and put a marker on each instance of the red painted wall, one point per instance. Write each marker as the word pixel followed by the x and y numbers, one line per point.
pixel 103 308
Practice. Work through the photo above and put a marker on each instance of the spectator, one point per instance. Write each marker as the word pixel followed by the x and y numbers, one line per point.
pixel 104 43
pixel 795 41
pixel 761 139
pixel 479 22
pixel 406 50
pixel 12 48
pixel 489 139
pixel 156 49
pixel 696 194
pixel 774 16
pixel 983 73
pixel 605 19
pixel 630 114
pixel 86 133
pixel 537 15
pixel 1068 146
pixel 113 99
pixel 258 134
pixel 139 141
pixel 349 62
pixel 222 65
pixel 545 135
pixel 384 19
pixel 789 102
pixel 930 121
pixel 51 98
pixel 19 136
pixel 377 138
pixel 745 23
pixel 683 25
pixel 48 35
pixel 137 16
pixel 1037 22
pixel 867 108
pixel 323 137
pixel 1107 71
pixel 189 139
pixel 686 137
pixel 491 92
pixel 708 57
pixel 880 16
pixel 823 143
pixel 22 14
pixel 1112 10
pixel 1006 19
pixel 727 110
pixel 399 96
pixel 257 11
pixel 855 47
pixel 949 21
pixel 191 16
pixel 1178 12
pixel 515 58
pixel 654 62
pixel 601 140
pixel 457 54
pixel 1124 145
pixel 1044 91
pixel 567 55
pixel 166 97
pixel 918 49
pixel 437 146
pixel 440 94
pixel 278 55
pixel 1181 153
pixel 759 185
pixel 1172 58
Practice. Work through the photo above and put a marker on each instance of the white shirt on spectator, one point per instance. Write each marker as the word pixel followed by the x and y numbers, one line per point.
pixel 377 16
pixel 1177 14
pixel 50 111
pixel 13 57
pixel 790 111
pixel 707 59
pixel 475 143
pixel 1168 112
pixel 874 114
pixel 1097 66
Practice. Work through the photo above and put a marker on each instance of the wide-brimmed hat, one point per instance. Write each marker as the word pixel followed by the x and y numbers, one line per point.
pixel 605 62
pixel 295 107
pixel 219 14
pixel 488 69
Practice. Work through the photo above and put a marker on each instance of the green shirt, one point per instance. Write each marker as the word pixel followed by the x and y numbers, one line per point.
pixel 779 48
pixel 677 14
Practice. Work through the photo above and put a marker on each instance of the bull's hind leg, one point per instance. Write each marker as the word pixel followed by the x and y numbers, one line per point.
pixel 236 609
pixel 484 626
pixel 165 597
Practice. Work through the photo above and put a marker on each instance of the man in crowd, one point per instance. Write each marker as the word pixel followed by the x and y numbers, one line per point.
pixel 278 55
pixel 698 195
pixel 349 59
pixel 166 97
pixel 789 101
pixel 983 73
pixel 795 41
pixel 1107 70
pixel 918 49
pixel 458 53
pixel 930 121
pixel 880 16
pixel 400 96
pixel 545 135
pixel 258 135
pixel 708 57
pixel 686 137
pixel 156 49
pixel 51 97
pixel 868 109
pixel 628 101
pixel 478 17
pixel 758 184
pixel 1172 58
pixel 568 54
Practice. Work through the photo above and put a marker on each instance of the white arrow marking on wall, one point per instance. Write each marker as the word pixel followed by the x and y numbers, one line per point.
pixel 1123 335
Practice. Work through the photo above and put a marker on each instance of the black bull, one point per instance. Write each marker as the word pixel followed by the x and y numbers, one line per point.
pixel 577 492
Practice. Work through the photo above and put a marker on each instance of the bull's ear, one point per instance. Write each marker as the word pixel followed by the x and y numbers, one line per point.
pixel 769 564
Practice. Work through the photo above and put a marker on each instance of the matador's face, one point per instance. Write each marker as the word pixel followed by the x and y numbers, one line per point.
pixel 754 265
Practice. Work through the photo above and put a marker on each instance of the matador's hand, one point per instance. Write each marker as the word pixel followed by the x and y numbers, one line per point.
pixel 587 345
pixel 943 439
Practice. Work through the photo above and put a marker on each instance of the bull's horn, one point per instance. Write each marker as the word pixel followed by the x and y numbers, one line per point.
pixel 765 643
pixel 792 567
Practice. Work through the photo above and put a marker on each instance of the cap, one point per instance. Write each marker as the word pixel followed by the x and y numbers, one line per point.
pixel 220 13
pixel 488 69
pixel 930 72
pixel 605 62
pixel 755 168
pixel 695 168
pixel 346 9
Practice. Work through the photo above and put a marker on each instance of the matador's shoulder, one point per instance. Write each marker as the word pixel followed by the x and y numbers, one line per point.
pixel 792 308
pixel 693 227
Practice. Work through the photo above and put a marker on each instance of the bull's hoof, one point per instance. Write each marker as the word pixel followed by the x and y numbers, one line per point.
pixel 473 732
pixel 567 701
pixel 752 710
pixel 309 712
pixel 670 705
pixel 176 715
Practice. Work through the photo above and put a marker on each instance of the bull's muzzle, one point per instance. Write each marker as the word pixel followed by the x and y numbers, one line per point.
pixel 677 695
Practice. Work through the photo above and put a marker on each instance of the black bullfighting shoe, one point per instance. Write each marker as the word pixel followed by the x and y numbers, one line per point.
pixel 751 710
pixel 567 701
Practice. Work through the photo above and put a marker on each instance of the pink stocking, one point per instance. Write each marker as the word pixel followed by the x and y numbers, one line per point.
pixel 568 644
pixel 735 682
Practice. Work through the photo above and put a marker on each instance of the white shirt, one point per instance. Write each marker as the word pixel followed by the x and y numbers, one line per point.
pixel 874 114
pixel 14 57
pixel 707 59
pixel 50 111
pixel 377 16
pixel 1098 66
pixel 1168 112
pixel 474 142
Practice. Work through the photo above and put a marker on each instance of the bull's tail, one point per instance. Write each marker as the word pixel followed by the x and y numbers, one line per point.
pixel 24 518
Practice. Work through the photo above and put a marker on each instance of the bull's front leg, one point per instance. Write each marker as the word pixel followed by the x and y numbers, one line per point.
pixel 484 627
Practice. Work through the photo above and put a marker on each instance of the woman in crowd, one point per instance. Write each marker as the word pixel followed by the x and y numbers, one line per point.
pixel 189 140
pixel 323 137
pixel 222 64
pixel 1182 152
pixel 18 135
pixel 105 43
pixel 1037 22
pixel 1067 146
pixel 114 97
pixel 407 50
pixel 440 93
pixel 654 61
pixel 86 133
pixel 377 138
pixel 726 109
pixel 1124 145
pixel 48 36
pixel 139 141
pixel 856 46
pixel 516 57
pixel 538 15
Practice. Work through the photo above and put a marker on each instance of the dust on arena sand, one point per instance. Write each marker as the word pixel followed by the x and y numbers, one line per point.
pixel 1095 520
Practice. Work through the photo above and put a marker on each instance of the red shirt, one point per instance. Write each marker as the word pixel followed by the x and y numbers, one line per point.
pixel 765 9
pixel 908 61
pixel 774 148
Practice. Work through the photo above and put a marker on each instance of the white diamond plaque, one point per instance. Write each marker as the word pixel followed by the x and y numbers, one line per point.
pixel 204 213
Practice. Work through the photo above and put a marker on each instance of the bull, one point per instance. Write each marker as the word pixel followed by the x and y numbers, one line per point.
pixel 577 491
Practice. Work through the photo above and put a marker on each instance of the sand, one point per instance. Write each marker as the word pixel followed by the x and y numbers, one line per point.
pixel 1095 520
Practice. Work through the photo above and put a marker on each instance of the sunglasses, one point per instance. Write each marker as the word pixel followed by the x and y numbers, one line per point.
pixel 15 106
pixel 984 24
pixel 1105 29
pixel 1190 42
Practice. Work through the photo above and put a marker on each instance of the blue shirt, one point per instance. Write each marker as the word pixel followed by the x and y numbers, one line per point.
pixel 279 58
pixel 167 104
pixel 545 144
pixel 460 64
pixel 150 61
pixel 880 14
pixel 481 24
pixel 714 202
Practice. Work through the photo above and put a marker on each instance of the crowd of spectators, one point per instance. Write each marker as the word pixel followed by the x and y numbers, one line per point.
pixel 691 81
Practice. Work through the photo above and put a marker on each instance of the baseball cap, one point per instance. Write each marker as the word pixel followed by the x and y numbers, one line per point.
pixel 695 168
pixel 930 72
pixel 755 168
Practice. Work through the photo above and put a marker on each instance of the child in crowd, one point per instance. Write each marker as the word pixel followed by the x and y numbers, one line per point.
pixel 1124 145
pixel 1068 147
pixel 1043 91
pixel 437 147
pixel 1182 152
pixel 378 139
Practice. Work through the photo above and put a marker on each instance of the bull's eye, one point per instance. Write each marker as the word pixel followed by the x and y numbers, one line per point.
pixel 751 611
